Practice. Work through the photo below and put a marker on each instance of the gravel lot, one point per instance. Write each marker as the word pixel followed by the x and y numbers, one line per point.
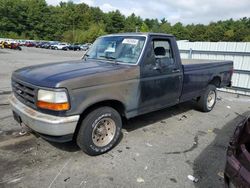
pixel 159 149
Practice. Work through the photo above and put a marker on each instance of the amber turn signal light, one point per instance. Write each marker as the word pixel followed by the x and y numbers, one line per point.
pixel 53 106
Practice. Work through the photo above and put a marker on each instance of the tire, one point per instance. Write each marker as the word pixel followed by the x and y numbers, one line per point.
pixel 207 101
pixel 99 131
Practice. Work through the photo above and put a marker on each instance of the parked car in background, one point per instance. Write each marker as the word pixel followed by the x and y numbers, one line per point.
pixel 65 48
pixel 120 76
pixel 74 47
pixel 11 45
pixel 85 46
pixel 59 46
pixel 44 45
pixel 15 46
pixel 39 44
pixel 1 44
pixel 237 171
pixel 22 42
pixel 30 44
pixel 49 44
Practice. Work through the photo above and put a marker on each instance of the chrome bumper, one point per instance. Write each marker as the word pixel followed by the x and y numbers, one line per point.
pixel 44 123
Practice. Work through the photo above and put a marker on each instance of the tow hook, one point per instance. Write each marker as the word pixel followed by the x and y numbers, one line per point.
pixel 24 129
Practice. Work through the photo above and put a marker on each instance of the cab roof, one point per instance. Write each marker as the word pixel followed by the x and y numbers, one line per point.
pixel 140 34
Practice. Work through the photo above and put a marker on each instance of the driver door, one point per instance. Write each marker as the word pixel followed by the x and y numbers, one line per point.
pixel 161 76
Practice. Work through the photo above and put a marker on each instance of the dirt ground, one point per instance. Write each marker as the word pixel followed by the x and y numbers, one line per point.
pixel 159 149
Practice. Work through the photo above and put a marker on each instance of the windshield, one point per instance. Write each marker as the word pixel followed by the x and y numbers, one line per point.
pixel 124 49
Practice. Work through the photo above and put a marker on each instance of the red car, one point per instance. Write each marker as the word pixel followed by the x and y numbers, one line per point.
pixel 30 44
pixel 15 46
pixel 237 171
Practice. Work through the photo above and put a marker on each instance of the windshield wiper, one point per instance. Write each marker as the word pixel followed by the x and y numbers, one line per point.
pixel 108 57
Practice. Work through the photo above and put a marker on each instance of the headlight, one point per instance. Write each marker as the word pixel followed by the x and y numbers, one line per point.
pixel 52 100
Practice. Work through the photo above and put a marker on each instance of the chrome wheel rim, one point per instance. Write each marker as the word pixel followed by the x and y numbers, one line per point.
pixel 103 132
pixel 211 99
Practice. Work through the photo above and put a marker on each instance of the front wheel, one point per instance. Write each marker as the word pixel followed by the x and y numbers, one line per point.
pixel 207 101
pixel 99 131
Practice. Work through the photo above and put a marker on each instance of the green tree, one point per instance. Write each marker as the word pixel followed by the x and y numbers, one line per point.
pixel 196 32
pixel 165 27
pixel 214 32
pixel 115 22
pixel 144 27
pixel 229 35
pixel 132 23
pixel 153 24
pixel 34 19
pixel 94 31
pixel 179 31
pixel 246 39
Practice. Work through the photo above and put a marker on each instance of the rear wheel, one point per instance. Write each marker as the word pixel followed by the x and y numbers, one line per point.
pixel 207 101
pixel 99 131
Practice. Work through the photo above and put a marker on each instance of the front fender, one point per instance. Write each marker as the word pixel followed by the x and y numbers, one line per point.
pixel 125 92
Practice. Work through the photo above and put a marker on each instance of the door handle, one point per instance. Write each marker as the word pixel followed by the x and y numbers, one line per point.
pixel 175 70
pixel 157 68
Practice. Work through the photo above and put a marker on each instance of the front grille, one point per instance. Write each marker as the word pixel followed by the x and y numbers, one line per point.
pixel 25 93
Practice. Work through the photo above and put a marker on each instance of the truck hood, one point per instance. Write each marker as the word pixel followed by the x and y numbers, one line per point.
pixel 68 73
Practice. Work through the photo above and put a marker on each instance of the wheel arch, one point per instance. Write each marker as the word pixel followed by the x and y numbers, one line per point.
pixel 117 105
pixel 216 80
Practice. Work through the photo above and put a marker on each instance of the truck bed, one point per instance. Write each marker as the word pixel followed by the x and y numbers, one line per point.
pixel 200 61
pixel 198 73
pixel 197 64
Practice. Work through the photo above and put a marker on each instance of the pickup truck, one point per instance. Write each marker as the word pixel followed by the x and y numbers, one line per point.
pixel 120 76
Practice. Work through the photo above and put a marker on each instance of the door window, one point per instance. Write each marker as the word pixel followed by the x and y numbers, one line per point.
pixel 163 53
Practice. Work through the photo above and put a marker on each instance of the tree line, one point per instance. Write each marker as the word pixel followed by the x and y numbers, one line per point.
pixel 35 19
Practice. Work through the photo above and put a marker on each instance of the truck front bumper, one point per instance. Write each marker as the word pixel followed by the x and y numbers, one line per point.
pixel 43 123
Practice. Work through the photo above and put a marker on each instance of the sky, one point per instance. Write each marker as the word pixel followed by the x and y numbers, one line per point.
pixel 184 11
